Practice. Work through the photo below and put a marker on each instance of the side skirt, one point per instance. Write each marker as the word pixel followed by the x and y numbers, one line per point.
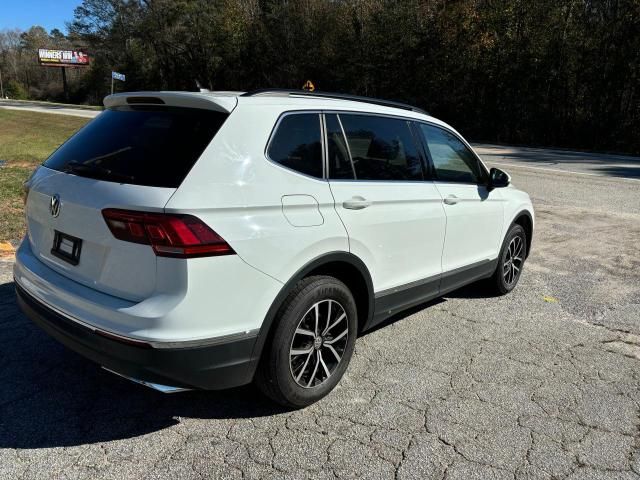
pixel 394 300
pixel 465 275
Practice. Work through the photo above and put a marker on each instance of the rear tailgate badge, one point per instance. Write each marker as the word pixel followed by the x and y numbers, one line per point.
pixel 54 206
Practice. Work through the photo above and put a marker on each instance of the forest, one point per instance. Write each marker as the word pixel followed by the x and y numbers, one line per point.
pixel 562 73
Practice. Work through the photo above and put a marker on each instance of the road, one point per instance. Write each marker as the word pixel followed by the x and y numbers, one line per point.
pixel 562 161
pixel 542 383
pixel 44 107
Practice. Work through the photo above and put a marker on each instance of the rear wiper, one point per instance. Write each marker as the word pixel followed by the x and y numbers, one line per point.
pixel 84 169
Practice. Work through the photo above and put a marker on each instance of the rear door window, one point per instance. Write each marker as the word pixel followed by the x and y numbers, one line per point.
pixel 297 144
pixel 381 148
pixel 153 146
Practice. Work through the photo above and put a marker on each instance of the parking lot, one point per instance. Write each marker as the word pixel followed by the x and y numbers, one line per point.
pixel 542 383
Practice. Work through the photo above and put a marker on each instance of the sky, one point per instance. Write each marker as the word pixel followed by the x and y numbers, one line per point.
pixel 49 14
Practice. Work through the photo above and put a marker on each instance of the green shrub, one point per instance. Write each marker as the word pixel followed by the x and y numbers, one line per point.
pixel 15 90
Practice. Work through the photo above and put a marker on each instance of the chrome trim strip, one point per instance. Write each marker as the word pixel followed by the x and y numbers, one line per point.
pixel 155 386
pixel 207 342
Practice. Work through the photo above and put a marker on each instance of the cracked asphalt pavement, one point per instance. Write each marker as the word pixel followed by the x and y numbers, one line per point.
pixel 543 383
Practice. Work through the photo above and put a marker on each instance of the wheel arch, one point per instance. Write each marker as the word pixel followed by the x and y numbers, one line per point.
pixel 525 220
pixel 347 268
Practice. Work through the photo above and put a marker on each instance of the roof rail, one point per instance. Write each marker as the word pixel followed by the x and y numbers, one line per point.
pixel 337 96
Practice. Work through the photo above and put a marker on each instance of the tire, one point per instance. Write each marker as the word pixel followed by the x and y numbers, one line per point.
pixel 303 380
pixel 510 261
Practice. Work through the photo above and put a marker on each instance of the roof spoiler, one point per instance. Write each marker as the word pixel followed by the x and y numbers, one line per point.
pixel 208 101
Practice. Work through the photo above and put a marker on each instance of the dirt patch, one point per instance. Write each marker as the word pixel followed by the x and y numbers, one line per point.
pixel 590 262
pixel 6 250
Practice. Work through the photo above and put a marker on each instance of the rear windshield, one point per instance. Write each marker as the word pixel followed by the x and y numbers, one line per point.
pixel 154 146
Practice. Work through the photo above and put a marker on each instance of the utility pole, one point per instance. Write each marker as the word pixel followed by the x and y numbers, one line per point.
pixel 1 87
pixel 112 83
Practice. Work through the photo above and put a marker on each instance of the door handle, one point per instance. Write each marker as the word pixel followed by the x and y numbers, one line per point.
pixel 451 200
pixel 356 203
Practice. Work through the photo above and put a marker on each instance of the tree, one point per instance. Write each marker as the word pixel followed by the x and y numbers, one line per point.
pixel 544 72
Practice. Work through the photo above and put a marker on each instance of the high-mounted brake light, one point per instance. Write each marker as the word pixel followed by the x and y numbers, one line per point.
pixel 181 236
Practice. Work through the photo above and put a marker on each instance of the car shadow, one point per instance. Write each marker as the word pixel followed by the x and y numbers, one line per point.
pixel 402 315
pixel 620 171
pixel 623 166
pixel 52 397
pixel 479 289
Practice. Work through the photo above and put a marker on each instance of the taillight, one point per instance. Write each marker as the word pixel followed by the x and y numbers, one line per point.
pixel 26 186
pixel 181 236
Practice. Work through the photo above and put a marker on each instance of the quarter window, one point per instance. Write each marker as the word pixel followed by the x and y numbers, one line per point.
pixel 381 149
pixel 452 160
pixel 296 144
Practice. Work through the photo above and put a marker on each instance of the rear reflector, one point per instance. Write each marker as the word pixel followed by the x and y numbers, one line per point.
pixel 181 236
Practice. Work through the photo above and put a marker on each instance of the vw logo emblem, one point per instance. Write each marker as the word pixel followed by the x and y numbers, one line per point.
pixel 54 206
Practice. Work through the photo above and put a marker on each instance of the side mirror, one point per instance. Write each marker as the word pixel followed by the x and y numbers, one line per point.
pixel 498 178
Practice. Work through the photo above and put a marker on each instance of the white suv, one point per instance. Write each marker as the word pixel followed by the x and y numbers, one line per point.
pixel 206 240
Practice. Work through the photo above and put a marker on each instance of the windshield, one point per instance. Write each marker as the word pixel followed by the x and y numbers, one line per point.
pixel 153 146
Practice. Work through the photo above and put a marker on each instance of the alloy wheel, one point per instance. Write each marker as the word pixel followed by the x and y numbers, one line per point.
pixel 513 261
pixel 318 343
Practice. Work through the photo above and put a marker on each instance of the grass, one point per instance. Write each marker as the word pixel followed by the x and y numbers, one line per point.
pixel 26 139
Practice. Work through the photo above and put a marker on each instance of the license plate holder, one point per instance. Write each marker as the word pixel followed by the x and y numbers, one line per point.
pixel 66 247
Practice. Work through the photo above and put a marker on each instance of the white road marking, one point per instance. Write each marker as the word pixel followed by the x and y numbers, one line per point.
pixel 557 170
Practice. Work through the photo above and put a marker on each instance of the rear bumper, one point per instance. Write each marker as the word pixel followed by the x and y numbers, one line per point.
pixel 217 365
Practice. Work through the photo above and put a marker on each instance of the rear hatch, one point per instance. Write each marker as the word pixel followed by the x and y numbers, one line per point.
pixel 133 156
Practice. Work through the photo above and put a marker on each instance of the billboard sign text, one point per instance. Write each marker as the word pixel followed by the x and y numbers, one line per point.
pixel 62 58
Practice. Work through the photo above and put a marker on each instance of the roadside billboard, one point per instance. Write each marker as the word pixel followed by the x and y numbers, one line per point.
pixel 62 58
